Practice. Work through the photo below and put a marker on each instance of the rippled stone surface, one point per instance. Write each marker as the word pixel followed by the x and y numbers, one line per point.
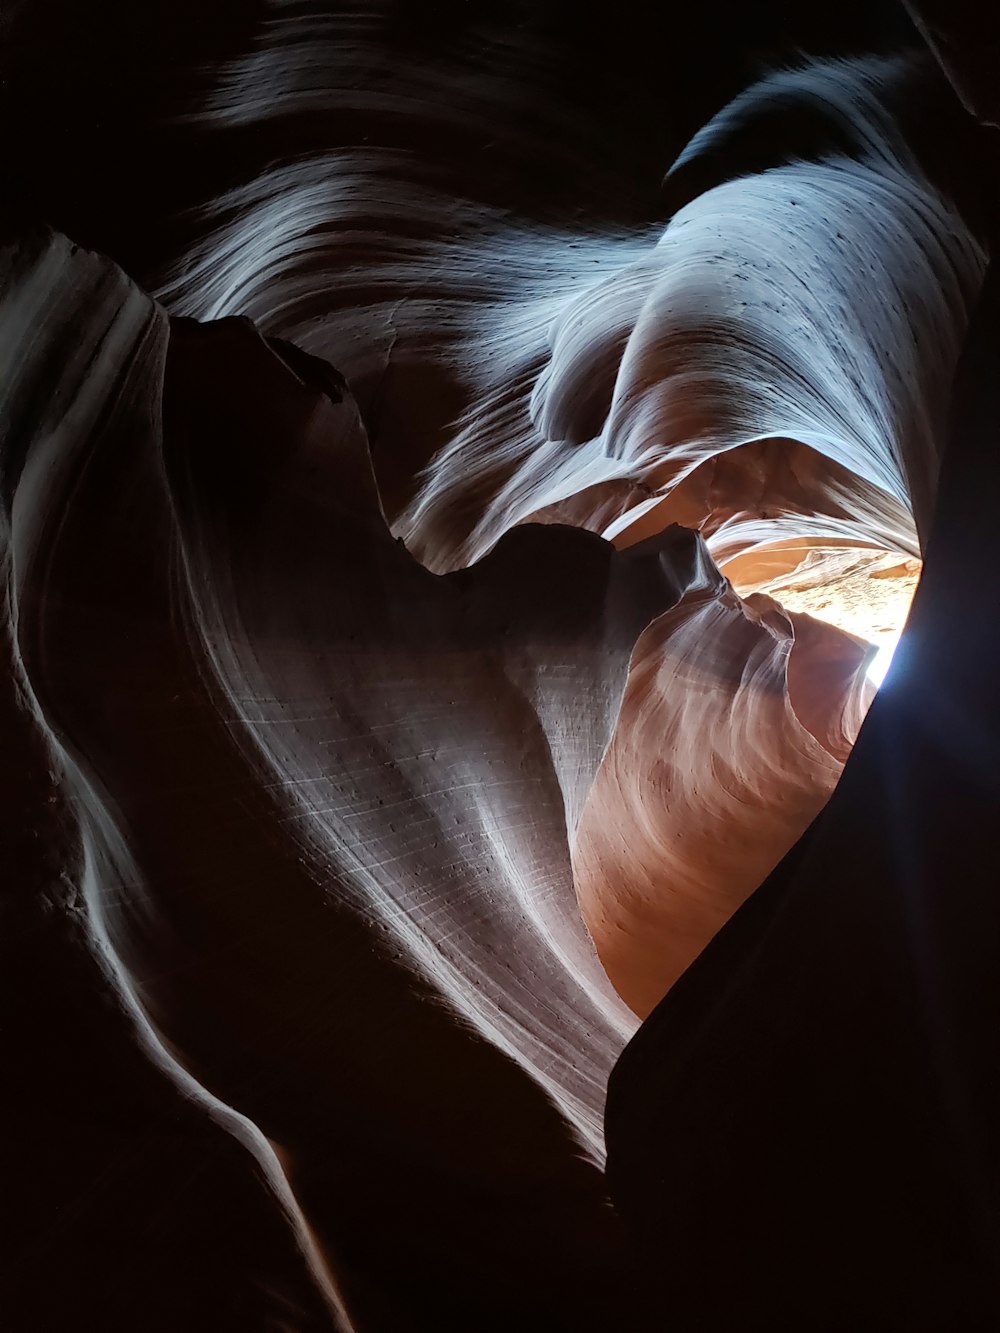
pixel 433 563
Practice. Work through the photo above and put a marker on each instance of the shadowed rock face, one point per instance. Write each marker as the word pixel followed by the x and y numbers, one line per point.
pixel 817 1095
pixel 400 703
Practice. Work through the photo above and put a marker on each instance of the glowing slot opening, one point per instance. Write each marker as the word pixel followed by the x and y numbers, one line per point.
pixel 880 663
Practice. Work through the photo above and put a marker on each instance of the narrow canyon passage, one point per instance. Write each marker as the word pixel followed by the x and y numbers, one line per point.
pixel 500 654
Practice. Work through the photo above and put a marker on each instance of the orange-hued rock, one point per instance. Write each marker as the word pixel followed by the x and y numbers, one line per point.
pixel 733 732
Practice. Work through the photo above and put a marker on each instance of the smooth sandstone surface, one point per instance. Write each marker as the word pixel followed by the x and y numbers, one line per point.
pixel 435 677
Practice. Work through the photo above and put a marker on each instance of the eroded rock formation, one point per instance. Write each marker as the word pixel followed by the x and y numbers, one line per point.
pixel 421 637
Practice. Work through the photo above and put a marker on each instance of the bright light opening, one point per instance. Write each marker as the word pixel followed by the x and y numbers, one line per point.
pixel 880 663
pixel 865 592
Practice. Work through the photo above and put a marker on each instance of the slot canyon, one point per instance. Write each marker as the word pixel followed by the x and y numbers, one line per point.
pixel 501 648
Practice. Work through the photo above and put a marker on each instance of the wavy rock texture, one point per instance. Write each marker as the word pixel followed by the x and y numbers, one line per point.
pixel 399 693
pixel 803 1134
pixel 336 786
pixel 746 321
pixel 722 755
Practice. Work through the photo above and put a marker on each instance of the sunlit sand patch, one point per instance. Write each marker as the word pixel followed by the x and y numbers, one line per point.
pixel 867 593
